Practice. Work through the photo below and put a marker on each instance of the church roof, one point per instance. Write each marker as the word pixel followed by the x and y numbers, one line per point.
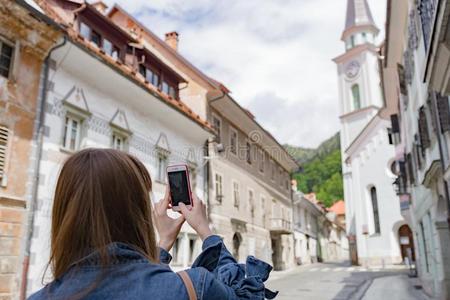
pixel 358 14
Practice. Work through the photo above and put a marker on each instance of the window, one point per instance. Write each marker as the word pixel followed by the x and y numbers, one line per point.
pixel 119 141
pixel 165 88
pixel 281 176
pixel 85 31
pixel 236 193
pixel 162 166
pixel 248 152
pixel 263 207
pixel 423 131
pixel 96 38
pixel 356 97
pixel 352 41
pixel 261 161
pixel 364 37
pixel 217 124
pixel 72 133
pixel 172 92
pixel 251 202
pixel 376 216
pixel 6 58
pixel 272 175
pixel 4 138
pixel 219 186
pixel 233 140
pixel 110 49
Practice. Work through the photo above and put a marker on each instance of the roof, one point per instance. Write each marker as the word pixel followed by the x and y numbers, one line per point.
pixel 338 208
pixel 117 8
pixel 358 15
pixel 124 69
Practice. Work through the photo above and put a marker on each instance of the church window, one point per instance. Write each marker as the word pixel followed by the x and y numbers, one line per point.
pixel 376 215
pixel 356 97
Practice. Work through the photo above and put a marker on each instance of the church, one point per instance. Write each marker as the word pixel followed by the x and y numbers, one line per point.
pixel 368 159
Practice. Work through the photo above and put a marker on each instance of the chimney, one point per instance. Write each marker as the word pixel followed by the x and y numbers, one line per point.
pixel 172 40
pixel 100 6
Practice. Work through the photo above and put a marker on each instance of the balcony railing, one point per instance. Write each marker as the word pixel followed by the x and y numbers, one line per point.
pixel 280 225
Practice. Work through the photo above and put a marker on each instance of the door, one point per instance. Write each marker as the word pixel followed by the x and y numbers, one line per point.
pixel 405 238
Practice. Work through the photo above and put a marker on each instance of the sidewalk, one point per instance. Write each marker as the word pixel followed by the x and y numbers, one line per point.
pixel 399 287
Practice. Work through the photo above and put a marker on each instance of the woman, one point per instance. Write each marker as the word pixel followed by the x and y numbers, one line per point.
pixel 103 244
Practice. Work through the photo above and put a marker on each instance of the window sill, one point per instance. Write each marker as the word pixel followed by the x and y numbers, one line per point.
pixel 66 150
pixel 160 182
pixel 374 235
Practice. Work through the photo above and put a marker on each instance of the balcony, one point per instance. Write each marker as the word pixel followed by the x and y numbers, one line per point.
pixel 280 225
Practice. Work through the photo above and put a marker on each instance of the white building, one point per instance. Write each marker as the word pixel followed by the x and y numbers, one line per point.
pixel 105 91
pixel 416 81
pixel 372 212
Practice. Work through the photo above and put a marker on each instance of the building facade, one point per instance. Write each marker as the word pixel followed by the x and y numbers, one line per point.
pixel 248 172
pixel 107 90
pixel 415 72
pixel 373 215
pixel 306 229
pixel 26 37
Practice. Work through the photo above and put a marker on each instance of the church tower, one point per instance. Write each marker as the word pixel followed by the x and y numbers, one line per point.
pixel 371 214
pixel 359 79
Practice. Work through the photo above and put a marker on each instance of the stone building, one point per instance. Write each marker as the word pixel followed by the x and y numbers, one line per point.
pixel 373 216
pixel 248 171
pixel 26 37
pixel 107 89
pixel 416 86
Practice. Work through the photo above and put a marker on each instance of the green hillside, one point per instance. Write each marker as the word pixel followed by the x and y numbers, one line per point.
pixel 321 170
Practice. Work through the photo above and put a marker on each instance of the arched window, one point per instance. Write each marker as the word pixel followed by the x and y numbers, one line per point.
pixel 376 215
pixel 356 97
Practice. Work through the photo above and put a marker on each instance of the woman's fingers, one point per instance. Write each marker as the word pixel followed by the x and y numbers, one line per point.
pixel 184 210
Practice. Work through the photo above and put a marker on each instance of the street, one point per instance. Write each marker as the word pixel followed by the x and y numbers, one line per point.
pixel 339 281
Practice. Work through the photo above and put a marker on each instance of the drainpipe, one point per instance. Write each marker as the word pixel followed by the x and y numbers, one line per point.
pixel 441 151
pixel 39 141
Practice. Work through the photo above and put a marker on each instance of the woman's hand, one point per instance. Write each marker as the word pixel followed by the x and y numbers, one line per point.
pixel 196 217
pixel 167 227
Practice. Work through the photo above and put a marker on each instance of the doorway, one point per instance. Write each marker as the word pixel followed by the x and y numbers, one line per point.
pixel 237 240
pixel 405 238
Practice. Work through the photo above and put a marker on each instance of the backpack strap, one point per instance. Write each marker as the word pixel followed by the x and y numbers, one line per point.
pixel 188 284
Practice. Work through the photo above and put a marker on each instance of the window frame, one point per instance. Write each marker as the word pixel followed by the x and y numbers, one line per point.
pixel 248 151
pixel 251 201
pixel 121 135
pixel 219 197
pixel 353 88
pixel 235 193
pixel 161 168
pixel 233 130
pixel 3 41
pixel 7 146
pixel 261 162
pixel 79 135
pixel 214 117
pixel 375 210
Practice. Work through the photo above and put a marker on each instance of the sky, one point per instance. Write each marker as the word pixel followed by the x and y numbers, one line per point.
pixel 274 55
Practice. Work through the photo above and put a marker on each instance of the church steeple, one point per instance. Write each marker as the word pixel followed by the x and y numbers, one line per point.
pixel 360 27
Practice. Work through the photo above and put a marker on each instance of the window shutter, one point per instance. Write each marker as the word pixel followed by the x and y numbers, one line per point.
pixel 4 135
pixel 444 113
pixel 395 124
pixel 410 168
pixel 423 130
pixel 401 79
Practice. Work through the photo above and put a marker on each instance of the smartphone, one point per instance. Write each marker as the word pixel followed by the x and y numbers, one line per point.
pixel 179 185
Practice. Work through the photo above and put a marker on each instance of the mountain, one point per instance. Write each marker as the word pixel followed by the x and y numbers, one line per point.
pixel 321 170
pixel 304 155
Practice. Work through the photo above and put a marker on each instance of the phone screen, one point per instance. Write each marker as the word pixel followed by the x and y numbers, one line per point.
pixel 179 189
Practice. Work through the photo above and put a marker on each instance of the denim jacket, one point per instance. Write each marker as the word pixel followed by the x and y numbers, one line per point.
pixel 215 275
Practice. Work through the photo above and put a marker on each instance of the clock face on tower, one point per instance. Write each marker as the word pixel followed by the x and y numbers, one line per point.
pixel 352 69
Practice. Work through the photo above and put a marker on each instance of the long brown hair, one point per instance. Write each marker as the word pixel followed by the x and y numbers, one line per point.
pixel 102 196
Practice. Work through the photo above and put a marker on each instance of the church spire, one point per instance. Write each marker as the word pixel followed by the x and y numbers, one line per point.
pixel 359 20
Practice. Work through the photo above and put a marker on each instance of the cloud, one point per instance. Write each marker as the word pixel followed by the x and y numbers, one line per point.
pixel 275 56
